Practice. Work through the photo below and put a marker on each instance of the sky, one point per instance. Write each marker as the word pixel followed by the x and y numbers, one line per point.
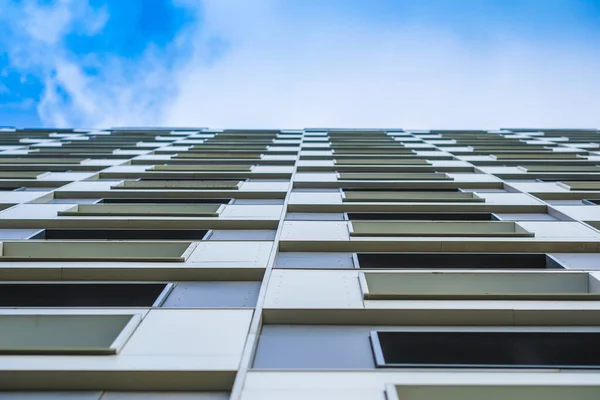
pixel 427 64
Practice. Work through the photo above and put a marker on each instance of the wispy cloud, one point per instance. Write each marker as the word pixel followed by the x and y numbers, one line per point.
pixel 48 23
pixel 119 92
pixel 268 64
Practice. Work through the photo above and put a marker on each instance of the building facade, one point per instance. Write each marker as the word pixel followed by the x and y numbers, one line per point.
pixel 317 264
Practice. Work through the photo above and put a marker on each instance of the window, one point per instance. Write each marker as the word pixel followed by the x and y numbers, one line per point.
pixel 201 168
pixel 189 179
pixel 122 234
pixel 403 190
pixel 568 177
pixel 65 334
pixel 83 294
pixel 434 229
pixel 565 349
pixel 141 200
pixel 427 216
pixel 528 156
pixel 242 234
pixel 96 251
pixel 223 155
pixel 144 210
pixel 366 149
pixel 174 185
pixel 479 286
pixel 411 197
pixel 381 161
pixel 580 185
pixel 560 168
pixel 491 392
pixel 455 261
pixel 393 176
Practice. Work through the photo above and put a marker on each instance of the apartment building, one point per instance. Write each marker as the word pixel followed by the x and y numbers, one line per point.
pixel 372 264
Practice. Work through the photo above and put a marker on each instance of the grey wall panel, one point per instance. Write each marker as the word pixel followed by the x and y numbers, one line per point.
pixel 481 190
pixel 319 190
pixel 257 201
pixel 213 294
pixel 74 201
pixel 259 234
pixel 315 216
pixel 314 260
pixel 165 396
pixel 580 261
pixel 18 233
pixel 50 395
pixel 314 347
pixel 565 202
pixel 525 217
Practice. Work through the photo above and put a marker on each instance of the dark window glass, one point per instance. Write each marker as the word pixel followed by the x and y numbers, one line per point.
pixel 186 179
pixel 123 234
pixel 165 201
pixel 80 295
pixel 455 260
pixel 355 216
pixel 486 349
pixel 384 189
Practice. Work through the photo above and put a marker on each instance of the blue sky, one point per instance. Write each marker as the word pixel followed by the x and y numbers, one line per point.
pixel 299 63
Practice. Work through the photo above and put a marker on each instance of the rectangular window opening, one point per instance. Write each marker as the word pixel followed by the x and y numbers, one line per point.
pixel 486 349
pixel 141 200
pixel 123 234
pixel 428 216
pixel 186 179
pixel 180 185
pixel 411 196
pixel 455 261
pixel 83 294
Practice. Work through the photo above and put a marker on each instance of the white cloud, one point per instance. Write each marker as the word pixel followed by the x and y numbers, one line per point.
pixel 48 23
pixel 281 70
pixel 107 99
pixel 334 72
